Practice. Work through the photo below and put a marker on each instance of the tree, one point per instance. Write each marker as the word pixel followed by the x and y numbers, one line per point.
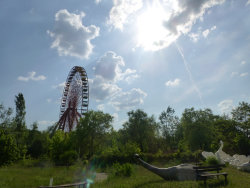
pixel 91 132
pixel 169 123
pixel 198 128
pixel 241 115
pixel 37 142
pixel 8 148
pixel 141 130
pixel 21 132
pixel 226 130
pixel 20 112
pixel 6 121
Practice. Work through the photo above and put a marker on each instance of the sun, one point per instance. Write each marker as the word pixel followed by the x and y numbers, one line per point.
pixel 150 28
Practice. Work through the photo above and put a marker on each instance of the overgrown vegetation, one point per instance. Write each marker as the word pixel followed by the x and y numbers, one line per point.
pixel 171 138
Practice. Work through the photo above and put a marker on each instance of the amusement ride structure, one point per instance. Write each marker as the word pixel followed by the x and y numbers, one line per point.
pixel 75 99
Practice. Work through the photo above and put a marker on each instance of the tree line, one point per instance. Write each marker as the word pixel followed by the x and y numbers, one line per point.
pixel 95 138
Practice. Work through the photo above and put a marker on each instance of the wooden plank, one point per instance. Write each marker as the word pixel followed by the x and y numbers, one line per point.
pixel 205 167
pixel 212 174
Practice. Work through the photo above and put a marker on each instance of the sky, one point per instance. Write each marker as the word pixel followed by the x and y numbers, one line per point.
pixel 138 54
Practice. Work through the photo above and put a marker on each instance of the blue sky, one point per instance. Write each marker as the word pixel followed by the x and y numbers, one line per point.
pixel 137 54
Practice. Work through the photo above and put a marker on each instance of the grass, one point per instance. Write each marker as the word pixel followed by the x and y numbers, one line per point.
pixel 144 178
pixel 22 176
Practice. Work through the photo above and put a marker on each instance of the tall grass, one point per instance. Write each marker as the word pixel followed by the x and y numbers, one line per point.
pixel 25 175
pixel 144 178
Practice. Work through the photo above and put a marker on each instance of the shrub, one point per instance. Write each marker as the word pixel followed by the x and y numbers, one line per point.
pixel 123 170
pixel 211 161
pixel 68 157
pixel 8 149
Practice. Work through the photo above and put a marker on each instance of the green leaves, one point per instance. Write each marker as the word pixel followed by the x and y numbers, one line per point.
pixel 8 149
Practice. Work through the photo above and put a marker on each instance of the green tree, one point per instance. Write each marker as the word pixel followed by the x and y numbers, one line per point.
pixel 198 128
pixel 21 130
pixel 6 121
pixel 142 130
pixel 20 112
pixel 60 148
pixel 37 142
pixel 169 123
pixel 226 131
pixel 241 115
pixel 8 148
pixel 92 131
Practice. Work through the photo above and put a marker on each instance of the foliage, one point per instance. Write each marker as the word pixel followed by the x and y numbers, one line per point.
pixel 5 117
pixel 169 123
pixel 142 130
pixel 92 131
pixel 68 157
pixel 197 128
pixel 38 142
pixel 20 112
pixel 211 161
pixel 8 149
pixel 241 115
pixel 61 148
pixel 122 169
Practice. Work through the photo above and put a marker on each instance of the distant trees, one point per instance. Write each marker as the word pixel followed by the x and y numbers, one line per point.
pixel 169 124
pixel 198 128
pixel 241 115
pixel 92 131
pixel 142 130
pixel 20 126
pixel 20 112
pixel 8 148
pixel 94 136
pixel 6 121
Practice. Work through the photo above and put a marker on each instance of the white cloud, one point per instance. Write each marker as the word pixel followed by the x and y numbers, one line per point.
pixel 59 86
pixel 188 12
pixel 234 74
pixel 194 37
pixel 213 28
pixel 116 117
pixel 108 72
pixel 109 67
pixel 121 10
pixel 182 19
pixel 170 83
pixel 131 78
pixel 101 89
pixel 244 74
pixel 31 76
pixel 248 3
pixel 100 107
pixel 97 1
pixel 243 62
pixel 48 100
pixel 205 33
pixel 225 106
pixel 46 123
pixel 127 100
pixel 71 37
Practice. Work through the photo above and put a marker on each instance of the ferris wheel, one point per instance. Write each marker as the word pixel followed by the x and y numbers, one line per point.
pixel 75 99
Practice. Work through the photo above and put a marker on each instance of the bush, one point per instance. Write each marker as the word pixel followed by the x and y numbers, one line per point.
pixel 68 157
pixel 8 149
pixel 212 161
pixel 123 170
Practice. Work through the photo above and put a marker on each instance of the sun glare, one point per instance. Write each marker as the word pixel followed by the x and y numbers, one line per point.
pixel 150 29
